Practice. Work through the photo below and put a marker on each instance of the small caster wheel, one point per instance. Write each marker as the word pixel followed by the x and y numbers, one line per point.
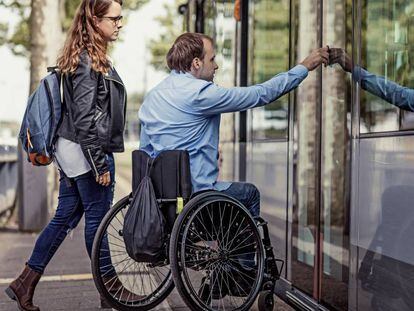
pixel 266 301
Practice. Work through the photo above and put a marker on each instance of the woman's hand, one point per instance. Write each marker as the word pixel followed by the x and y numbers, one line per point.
pixel 104 179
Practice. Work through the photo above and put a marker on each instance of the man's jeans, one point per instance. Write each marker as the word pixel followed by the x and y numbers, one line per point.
pixel 247 194
pixel 77 196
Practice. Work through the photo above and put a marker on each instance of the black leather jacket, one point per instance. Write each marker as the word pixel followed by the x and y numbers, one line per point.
pixel 93 115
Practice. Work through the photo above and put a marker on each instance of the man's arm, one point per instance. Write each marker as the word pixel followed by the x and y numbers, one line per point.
pixel 395 94
pixel 213 99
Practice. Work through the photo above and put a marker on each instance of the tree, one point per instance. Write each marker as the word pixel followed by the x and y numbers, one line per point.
pixel 46 34
pixel 19 40
pixel 172 28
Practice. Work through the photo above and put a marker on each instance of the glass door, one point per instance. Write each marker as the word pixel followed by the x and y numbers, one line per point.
pixel 333 265
pixel 306 154
pixel 321 156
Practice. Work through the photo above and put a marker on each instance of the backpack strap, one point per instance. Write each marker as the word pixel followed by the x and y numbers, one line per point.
pixel 52 68
pixel 61 88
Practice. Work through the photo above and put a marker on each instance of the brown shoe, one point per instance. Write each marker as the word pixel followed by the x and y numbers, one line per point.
pixel 119 291
pixel 22 289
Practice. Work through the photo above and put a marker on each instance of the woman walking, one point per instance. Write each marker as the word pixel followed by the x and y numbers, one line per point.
pixel 91 129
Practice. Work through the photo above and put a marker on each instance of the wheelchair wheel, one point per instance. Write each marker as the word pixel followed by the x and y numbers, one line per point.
pixel 216 254
pixel 124 283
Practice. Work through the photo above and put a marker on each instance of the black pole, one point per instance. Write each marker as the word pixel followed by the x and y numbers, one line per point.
pixel 200 16
pixel 244 47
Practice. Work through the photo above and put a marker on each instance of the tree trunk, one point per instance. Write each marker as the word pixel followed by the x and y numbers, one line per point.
pixel 46 38
pixel 37 184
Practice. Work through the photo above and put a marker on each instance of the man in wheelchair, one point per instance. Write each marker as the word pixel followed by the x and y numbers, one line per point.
pixel 183 113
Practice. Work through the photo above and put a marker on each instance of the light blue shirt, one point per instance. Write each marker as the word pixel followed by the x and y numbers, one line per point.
pixel 402 97
pixel 183 113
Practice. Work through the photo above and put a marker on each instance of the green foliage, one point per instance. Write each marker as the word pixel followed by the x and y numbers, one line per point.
pixel 70 7
pixel 172 28
pixel 387 49
pixel 3 33
pixel 19 40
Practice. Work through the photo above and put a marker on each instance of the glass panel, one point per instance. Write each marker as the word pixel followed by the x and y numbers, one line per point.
pixel 387 51
pixel 220 24
pixel 266 168
pixel 335 144
pixel 269 43
pixel 305 28
pixel 385 224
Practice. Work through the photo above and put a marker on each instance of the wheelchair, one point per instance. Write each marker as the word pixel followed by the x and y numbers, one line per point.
pixel 217 255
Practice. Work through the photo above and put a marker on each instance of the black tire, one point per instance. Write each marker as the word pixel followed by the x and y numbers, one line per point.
pixel 160 284
pixel 266 301
pixel 200 246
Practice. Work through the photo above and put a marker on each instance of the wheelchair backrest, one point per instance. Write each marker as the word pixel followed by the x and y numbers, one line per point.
pixel 170 173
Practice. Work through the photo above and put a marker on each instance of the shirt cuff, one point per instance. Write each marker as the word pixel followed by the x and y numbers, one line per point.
pixel 300 70
pixel 359 74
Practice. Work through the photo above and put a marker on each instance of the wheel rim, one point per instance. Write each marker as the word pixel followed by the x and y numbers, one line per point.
pixel 142 283
pixel 221 256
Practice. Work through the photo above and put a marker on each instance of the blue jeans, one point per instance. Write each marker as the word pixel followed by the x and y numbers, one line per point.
pixel 247 194
pixel 77 196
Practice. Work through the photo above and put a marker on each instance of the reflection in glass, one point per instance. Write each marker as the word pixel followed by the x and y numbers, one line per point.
pixel 305 28
pixel 335 157
pixel 386 272
pixel 269 43
pixel 220 24
pixel 387 50
pixel 266 168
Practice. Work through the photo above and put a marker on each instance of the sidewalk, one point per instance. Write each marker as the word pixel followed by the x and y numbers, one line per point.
pixel 67 283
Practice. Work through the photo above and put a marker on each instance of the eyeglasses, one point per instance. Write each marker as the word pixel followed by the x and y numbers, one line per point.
pixel 114 19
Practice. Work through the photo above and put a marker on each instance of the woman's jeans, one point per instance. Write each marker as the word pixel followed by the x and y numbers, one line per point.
pixel 77 196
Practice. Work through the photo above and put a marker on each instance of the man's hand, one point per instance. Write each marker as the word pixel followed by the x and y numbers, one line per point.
pixel 316 58
pixel 339 56
pixel 104 179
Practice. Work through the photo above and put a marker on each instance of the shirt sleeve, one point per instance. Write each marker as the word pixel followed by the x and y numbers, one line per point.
pixel 402 97
pixel 213 99
pixel 144 142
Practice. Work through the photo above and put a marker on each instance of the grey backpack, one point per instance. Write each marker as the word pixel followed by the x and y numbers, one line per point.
pixel 41 119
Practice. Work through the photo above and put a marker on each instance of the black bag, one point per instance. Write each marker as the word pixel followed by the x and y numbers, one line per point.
pixel 144 225
pixel 170 175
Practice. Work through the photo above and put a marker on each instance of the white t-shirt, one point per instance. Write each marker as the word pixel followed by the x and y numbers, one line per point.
pixel 70 158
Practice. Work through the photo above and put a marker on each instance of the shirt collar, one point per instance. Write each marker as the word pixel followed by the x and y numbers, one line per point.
pixel 183 74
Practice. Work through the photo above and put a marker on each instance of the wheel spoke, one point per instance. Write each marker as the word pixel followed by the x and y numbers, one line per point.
pixel 137 278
